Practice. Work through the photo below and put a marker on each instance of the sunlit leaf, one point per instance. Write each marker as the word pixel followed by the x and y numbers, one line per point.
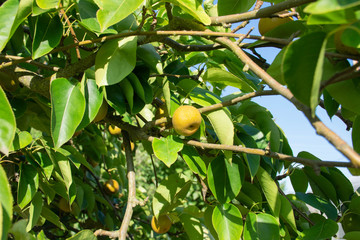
pixel 6 202
pixel 261 226
pixel 227 221
pixel 166 149
pixel 8 124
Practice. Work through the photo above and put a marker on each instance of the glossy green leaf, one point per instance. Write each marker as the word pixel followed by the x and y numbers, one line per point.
pixel 35 210
pixel 227 221
pixel 305 85
pixel 52 217
pixel 219 119
pixel 227 7
pixel 8 124
pixel 287 213
pixel 270 190
pixel 83 235
pixel 325 6
pixel 28 184
pixel 355 134
pixel 45 162
pixel 347 93
pixel 218 75
pixel 166 149
pixel 344 188
pixel 21 140
pixel 261 226
pixel 93 100
pixel 299 180
pixel 322 230
pixel 47 4
pixel 250 195
pixel 194 8
pixel 47 35
pixel 169 193
pixel 321 185
pixel 68 107
pixel 115 60
pixel 148 54
pixel 115 98
pixel 194 160
pixel 275 69
pixel 352 235
pixel 192 226
pixel 319 203
pixel 64 165
pixel 12 14
pixel 6 202
pixel 253 161
pixel 208 221
pixel 18 230
pixel 225 179
pixel 113 11
pixel 331 106
pixel 75 156
pixel 136 84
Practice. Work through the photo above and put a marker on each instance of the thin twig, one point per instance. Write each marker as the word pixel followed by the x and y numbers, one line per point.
pixel 318 125
pixel 169 11
pixel 347 122
pixel 32 62
pixel 154 169
pixel 294 207
pixel 344 75
pixel 73 34
pixel 258 5
pixel 195 77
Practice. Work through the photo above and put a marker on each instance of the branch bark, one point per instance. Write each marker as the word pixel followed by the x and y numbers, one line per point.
pixel 320 127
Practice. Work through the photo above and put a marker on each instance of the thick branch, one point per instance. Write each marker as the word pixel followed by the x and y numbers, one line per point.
pixel 132 202
pixel 265 12
pixel 319 126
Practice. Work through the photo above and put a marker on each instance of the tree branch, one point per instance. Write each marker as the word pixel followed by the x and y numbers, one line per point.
pixel 265 12
pixel 319 126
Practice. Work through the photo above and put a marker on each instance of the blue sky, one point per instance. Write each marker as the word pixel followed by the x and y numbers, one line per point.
pixel 300 133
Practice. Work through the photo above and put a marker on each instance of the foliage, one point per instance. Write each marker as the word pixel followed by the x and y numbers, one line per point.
pixel 62 60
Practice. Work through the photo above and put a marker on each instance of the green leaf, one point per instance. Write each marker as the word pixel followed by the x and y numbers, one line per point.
pixel 227 7
pixel 6 202
pixel 52 217
pixel 299 180
pixel 115 60
pixel 343 186
pixel 47 35
pixel 64 165
pixel 355 134
pixel 219 119
pixel 43 159
pixel 322 230
pixel 270 190
pixel 68 107
pixel 136 84
pixel 47 4
pixel 8 124
pixel 21 140
pixel 325 6
pixel 208 221
pixel 194 8
pixel 253 161
pixel 225 179
pixel 166 149
pixel 28 184
pixel 194 160
pixel 319 203
pixel 352 235
pixel 113 11
pixel 93 100
pixel 227 221
pixel 192 226
pixel 261 226
pixel 287 213
pixel 35 210
pixel 305 85
pixel 250 195
pixel 83 235
pixel 320 185
pixel 12 14
pixel 169 193
pixel 330 104
pixel 75 156
pixel 275 69
pixel 224 77
pixel 347 93
pixel 148 54
pixel 18 230
pixel 115 98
